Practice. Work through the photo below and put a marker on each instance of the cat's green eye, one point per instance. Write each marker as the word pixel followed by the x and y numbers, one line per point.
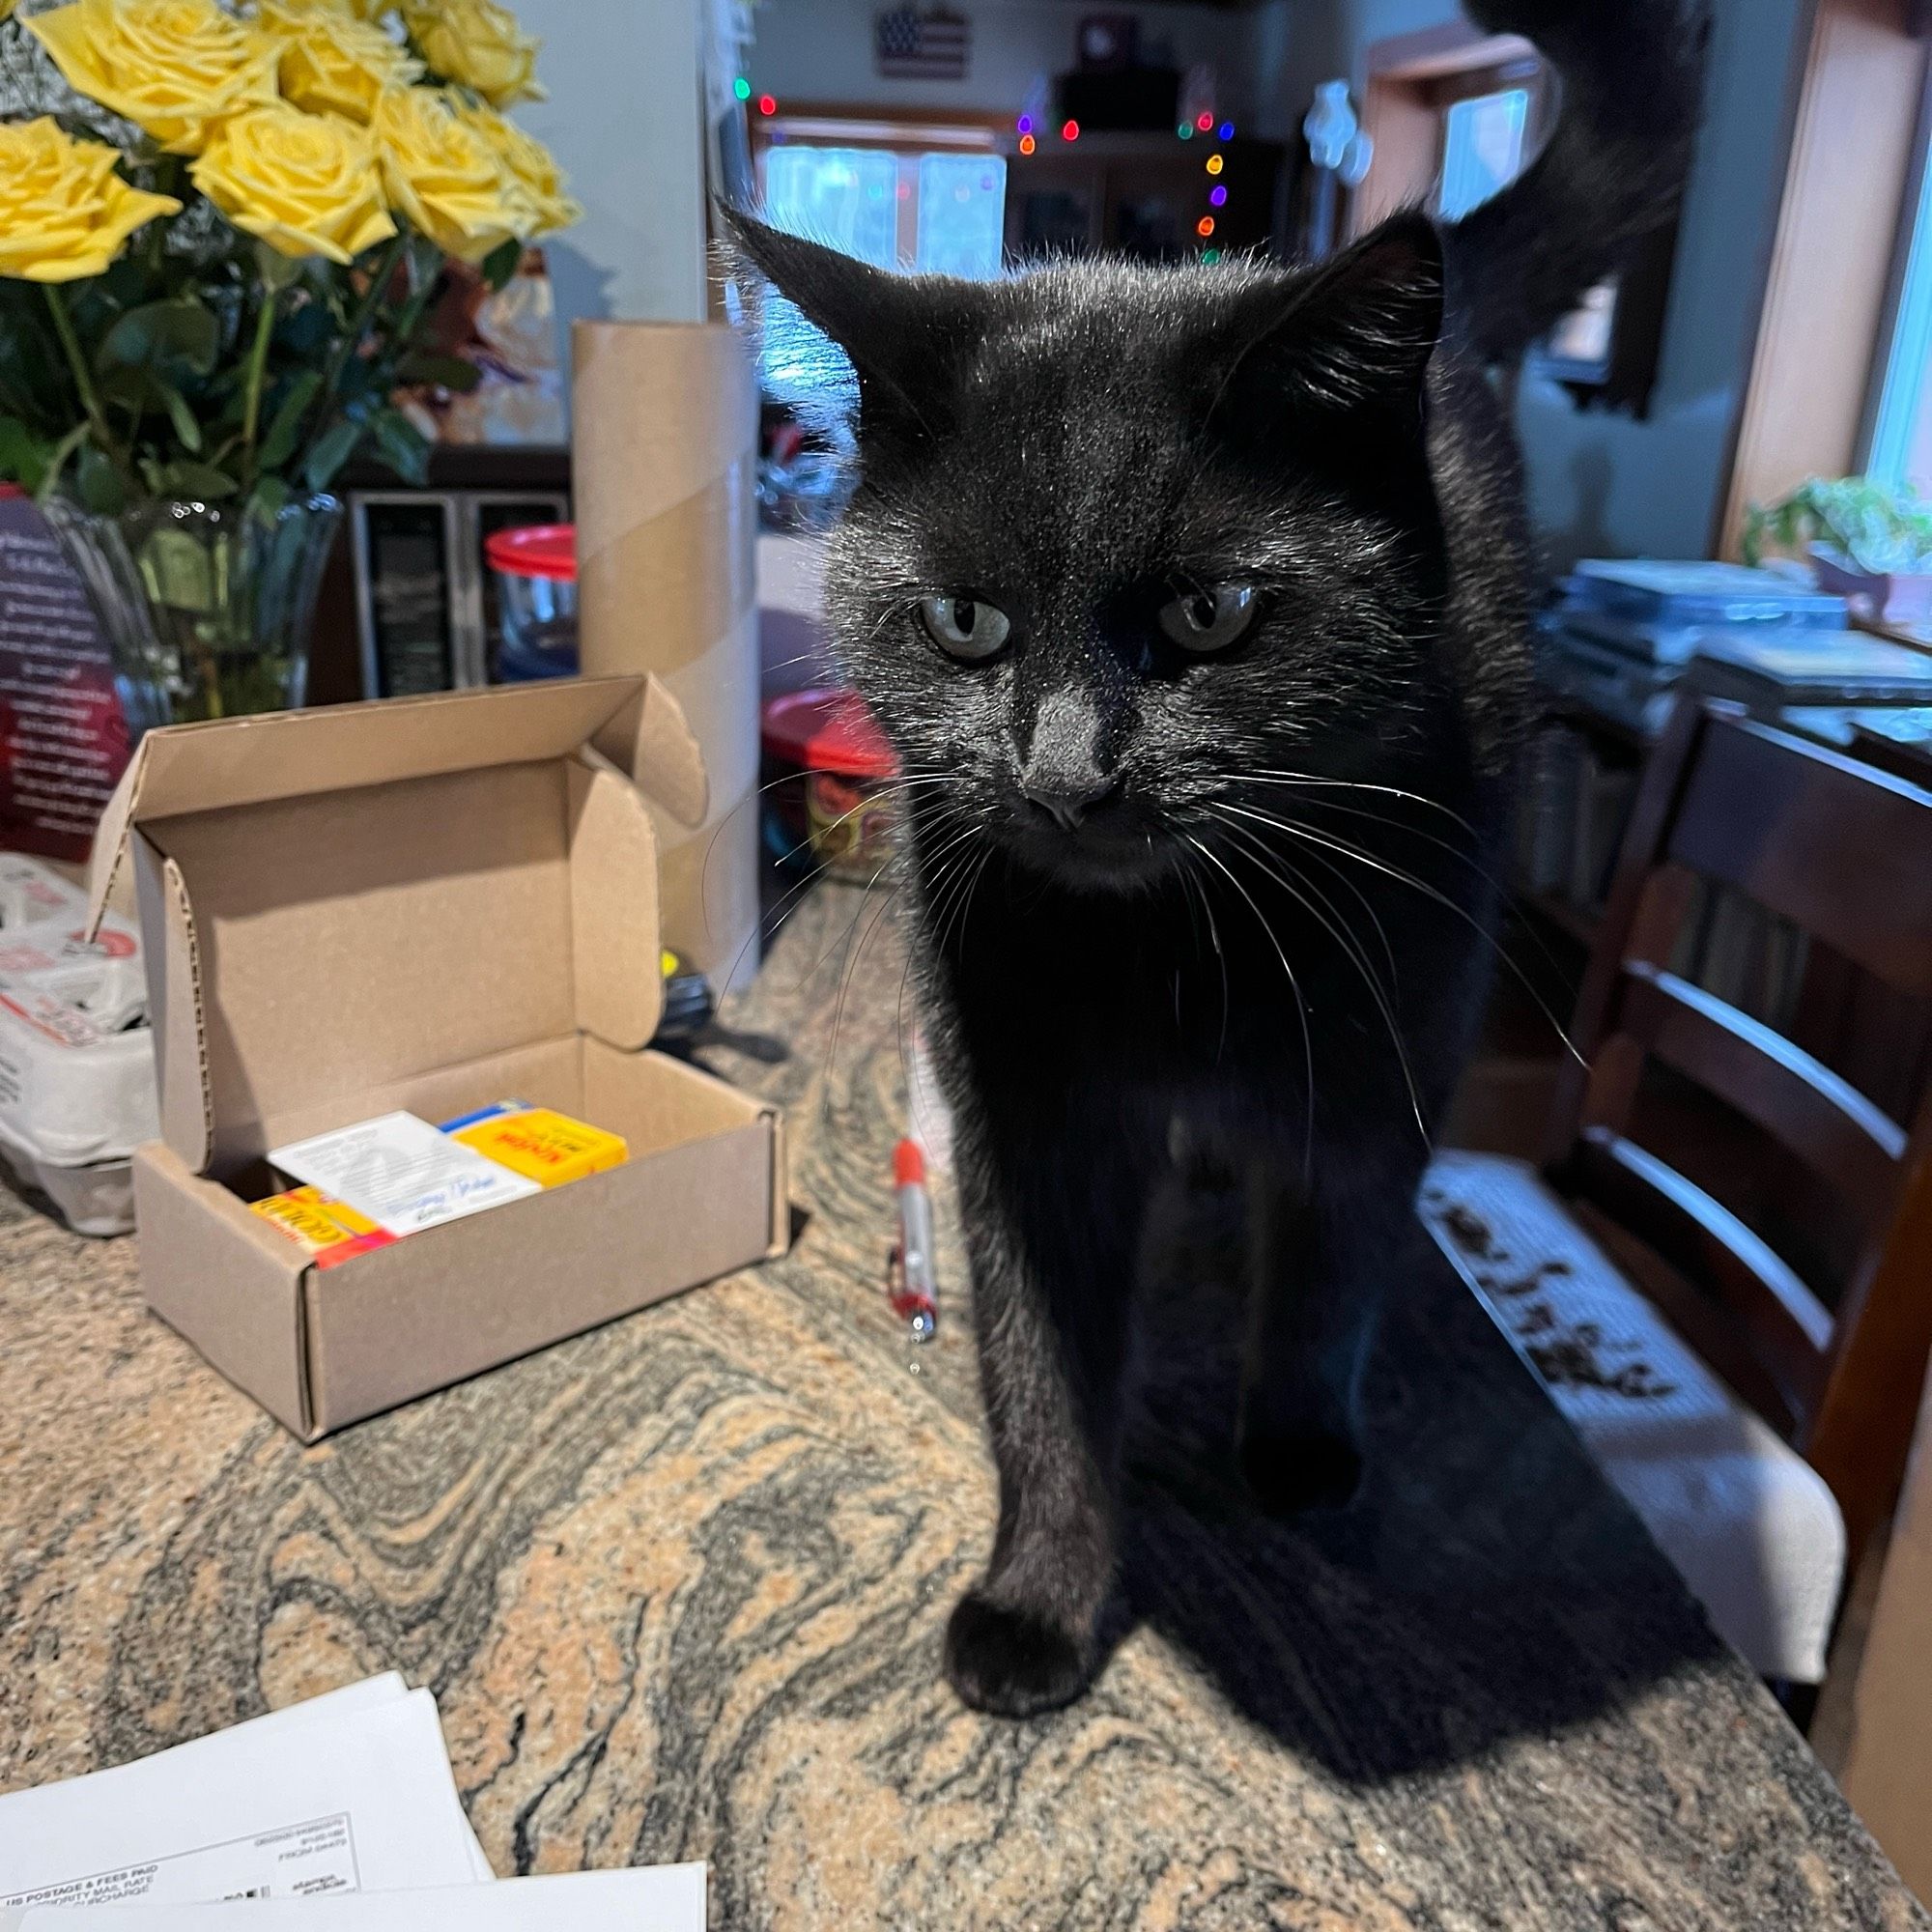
pixel 967 628
pixel 1206 620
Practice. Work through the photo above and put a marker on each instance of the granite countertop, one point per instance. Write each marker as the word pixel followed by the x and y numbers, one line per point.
pixel 679 1584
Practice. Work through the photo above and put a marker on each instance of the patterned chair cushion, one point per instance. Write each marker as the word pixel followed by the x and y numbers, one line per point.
pixel 1748 1523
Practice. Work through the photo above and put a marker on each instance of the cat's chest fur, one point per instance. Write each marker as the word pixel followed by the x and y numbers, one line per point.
pixel 1200 1021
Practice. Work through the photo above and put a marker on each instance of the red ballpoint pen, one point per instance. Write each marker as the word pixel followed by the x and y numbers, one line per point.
pixel 910 1285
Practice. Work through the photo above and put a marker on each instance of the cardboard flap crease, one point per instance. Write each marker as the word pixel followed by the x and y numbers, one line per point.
pixel 634 723
pixel 358 897
pixel 650 738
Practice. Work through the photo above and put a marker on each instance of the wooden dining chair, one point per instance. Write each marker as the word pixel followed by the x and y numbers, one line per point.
pixel 1806 1301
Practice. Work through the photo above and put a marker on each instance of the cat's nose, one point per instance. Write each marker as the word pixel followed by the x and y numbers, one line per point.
pixel 1068 801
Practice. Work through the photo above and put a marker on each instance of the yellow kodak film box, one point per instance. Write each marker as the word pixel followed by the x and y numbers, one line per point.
pixel 340 1212
pixel 545 1145
pixel 327 1229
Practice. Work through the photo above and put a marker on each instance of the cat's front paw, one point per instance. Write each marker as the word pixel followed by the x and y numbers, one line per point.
pixel 1292 1470
pixel 1014 1662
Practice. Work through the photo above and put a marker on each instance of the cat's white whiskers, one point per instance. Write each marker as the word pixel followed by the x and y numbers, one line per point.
pixel 1194 888
pixel 1500 887
pixel 1344 936
pixel 976 866
pixel 775 917
pixel 1294 986
pixel 910 857
pixel 1295 829
pixel 1314 781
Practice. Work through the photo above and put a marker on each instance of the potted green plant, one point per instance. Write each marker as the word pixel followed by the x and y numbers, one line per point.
pixel 222 231
pixel 1869 541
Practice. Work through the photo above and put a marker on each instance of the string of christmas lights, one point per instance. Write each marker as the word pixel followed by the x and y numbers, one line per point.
pixel 1204 124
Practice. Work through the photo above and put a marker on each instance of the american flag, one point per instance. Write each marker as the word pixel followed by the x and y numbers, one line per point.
pixel 933 46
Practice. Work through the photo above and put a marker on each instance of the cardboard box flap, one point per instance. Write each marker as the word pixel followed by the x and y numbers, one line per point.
pixel 335 942
pixel 651 741
pixel 614 910
pixel 229 762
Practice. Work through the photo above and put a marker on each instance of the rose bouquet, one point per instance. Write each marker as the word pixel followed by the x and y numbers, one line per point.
pixel 222 230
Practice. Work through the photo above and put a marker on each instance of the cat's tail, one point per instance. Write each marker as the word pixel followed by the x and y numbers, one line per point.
pixel 1611 173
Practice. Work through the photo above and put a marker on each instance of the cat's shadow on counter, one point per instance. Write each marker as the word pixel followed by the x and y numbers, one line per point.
pixel 1485 1584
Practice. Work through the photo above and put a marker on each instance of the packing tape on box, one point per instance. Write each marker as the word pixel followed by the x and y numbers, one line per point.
pixel 700 871
pixel 693 555
pixel 665 458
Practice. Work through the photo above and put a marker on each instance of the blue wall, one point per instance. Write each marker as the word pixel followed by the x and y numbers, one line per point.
pixel 1602 485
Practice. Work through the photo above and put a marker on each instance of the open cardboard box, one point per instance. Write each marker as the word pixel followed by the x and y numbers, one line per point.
pixel 426 904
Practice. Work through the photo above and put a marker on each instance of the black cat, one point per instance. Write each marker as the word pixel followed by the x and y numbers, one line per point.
pixel 1195 601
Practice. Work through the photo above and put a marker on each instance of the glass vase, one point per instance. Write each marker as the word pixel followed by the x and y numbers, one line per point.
pixel 206 607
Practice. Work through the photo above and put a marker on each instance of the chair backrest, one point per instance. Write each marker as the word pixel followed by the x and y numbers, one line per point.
pixel 1844 854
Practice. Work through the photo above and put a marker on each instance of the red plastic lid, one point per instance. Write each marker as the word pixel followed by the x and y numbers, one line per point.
pixel 828 730
pixel 539 550
pixel 909 1164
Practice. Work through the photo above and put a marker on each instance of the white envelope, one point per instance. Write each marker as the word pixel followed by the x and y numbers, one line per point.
pixel 350 1792
pixel 659 1898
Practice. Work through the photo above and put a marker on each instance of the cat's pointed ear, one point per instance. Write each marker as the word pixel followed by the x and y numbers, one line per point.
pixel 1355 333
pixel 907 335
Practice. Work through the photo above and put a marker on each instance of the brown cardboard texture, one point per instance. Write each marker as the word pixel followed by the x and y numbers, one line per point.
pixel 425 904
pixel 665 459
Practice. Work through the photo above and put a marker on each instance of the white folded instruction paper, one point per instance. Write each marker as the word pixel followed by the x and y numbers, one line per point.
pixel 402 1173
pixel 347 1793
pixel 662 1898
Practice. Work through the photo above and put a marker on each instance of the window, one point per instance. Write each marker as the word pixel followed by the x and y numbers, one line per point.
pixel 962 214
pixel 1482 147
pixel 898 196
pixel 1901 430
pixel 844 196
pixel 1454 115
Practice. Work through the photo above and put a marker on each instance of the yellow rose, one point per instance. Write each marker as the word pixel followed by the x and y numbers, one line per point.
pixel 332 63
pixel 445 177
pixel 529 164
pixel 360 10
pixel 172 67
pixel 305 184
pixel 478 44
pixel 64 213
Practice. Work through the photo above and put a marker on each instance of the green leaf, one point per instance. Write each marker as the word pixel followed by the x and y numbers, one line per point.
pixel 402 446
pixel 176 568
pixel 24 457
pixel 333 448
pixel 448 372
pixel 100 483
pixel 158 334
pixel 197 479
pixel 501 263
pixel 424 260
pixel 181 416
pixel 271 497
pixel 277 270
pixel 57 460
pixel 142 390
pixel 233 408
pixel 278 440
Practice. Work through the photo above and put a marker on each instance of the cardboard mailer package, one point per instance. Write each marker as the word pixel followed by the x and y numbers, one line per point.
pixel 428 905
pixel 664 456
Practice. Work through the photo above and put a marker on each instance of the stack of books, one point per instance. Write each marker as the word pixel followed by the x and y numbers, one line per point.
pixel 1625 634
pixel 1620 641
